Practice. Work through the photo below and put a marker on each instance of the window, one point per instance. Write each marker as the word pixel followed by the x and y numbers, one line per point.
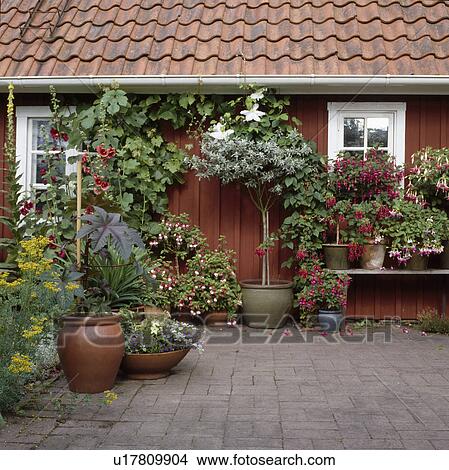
pixel 355 127
pixel 33 130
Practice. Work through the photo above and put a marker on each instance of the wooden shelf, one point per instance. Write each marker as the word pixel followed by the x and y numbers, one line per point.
pixel 397 272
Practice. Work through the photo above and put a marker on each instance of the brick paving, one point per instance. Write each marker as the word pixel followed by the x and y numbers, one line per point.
pixel 332 393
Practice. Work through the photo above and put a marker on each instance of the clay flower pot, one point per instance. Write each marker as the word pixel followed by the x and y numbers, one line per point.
pixel 336 256
pixel 151 366
pixel 216 318
pixel 417 262
pixel 90 350
pixel 373 255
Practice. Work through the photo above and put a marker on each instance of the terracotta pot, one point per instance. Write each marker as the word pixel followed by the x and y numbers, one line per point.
pixel 266 306
pixel 373 256
pixel 216 318
pixel 151 366
pixel 90 350
pixel 336 256
pixel 150 311
pixel 417 262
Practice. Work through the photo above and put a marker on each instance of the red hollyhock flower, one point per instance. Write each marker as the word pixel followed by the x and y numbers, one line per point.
pixel 42 171
pixel 89 210
pixel 54 134
pixel 101 150
pixel 64 137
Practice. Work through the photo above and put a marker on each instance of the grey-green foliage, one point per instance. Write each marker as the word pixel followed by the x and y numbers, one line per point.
pixel 258 165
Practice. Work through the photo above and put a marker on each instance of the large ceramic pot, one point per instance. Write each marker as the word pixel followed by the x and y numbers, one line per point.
pixel 373 255
pixel 90 350
pixel 417 262
pixel 336 256
pixel 330 320
pixel 149 311
pixel 266 306
pixel 444 257
pixel 151 366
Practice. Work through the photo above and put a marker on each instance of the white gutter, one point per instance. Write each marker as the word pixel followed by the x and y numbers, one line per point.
pixel 291 84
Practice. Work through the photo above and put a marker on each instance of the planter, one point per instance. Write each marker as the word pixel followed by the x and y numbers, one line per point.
pixel 444 257
pixel 266 306
pixel 373 256
pixel 150 311
pixel 90 350
pixel 151 366
pixel 216 318
pixel 417 262
pixel 336 256
pixel 330 320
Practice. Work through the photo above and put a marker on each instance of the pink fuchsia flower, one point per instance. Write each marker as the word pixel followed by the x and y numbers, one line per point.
pixel 330 202
pixel 301 255
pixel 260 252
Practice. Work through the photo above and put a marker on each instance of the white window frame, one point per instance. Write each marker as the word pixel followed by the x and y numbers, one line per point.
pixel 24 116
pixel 395 111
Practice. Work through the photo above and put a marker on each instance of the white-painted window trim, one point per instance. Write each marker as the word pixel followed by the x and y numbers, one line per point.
pixel 395 111
pixel 24 117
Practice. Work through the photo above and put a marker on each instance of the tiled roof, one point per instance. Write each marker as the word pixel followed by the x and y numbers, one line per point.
pixel 223 37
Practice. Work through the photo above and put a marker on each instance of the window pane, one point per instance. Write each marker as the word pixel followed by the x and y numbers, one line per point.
pixel 40 134
pixel 377 132
pixel 40 166
pixel 354 129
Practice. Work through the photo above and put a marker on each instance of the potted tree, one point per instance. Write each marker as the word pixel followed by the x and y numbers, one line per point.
pixel 326 292
pixel 415 233
pixel 91 343
pixel 155 345
pixel 256 148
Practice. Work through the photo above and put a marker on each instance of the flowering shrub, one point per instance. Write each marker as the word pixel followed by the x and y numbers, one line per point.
pixel 29 305
pixel 158 335
pixel 429 176
pixel 210 284
pixel 177 239
pixel 340 221
pixel 160 290
pixel 324 289
pixel 413 228
pixel 359 179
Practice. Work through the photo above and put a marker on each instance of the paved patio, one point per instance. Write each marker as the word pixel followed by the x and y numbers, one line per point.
pixel 289 395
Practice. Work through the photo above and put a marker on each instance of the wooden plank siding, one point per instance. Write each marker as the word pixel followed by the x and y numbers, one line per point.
pixel 227 210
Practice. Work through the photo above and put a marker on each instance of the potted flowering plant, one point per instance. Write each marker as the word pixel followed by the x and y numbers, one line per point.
pixel 324 291
pixel 340 233
pixel 155 345
pixel 91 343
pixel 210 286
pixel 370 220
pixel 415 233
pixel 254 146
pixel 429 180
pixel 375 175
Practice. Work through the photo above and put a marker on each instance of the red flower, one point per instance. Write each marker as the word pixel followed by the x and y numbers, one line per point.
pixel 54 133
pixel 54 179
pixel 260 252
pixel 101 150
pixel 359 215
pixel 330 202
pixel 62 254
pixel 301 255
pixel 89 210
pixel 65 137
pixel 42 171
pixel 52 245
pixel 105 185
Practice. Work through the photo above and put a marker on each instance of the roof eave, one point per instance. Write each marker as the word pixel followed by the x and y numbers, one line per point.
pixel 226 84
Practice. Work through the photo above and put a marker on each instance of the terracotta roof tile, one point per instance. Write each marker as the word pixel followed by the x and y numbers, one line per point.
pixel 83 37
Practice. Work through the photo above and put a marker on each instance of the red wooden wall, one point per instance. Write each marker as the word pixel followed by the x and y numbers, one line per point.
pixel 228 211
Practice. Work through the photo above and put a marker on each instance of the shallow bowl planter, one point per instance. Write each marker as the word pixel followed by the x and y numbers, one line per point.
pixel 417 262
pixel 216 318
pixel 151 366
pixel 330 320
pixel 373 255
pixel 336 256
pixel 90 350
pixel 266 306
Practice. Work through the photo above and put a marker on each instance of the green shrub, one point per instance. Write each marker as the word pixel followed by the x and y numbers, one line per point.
pixel 431 322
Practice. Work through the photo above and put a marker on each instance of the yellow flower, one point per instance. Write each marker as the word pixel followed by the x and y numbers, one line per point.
pixel 20 363
pixel 37 327
pixel 51 286
pixel 109 397
pixel 4 281
pixel 31 259
pixel 71 286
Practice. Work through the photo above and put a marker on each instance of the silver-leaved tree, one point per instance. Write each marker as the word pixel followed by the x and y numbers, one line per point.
pixel 254 145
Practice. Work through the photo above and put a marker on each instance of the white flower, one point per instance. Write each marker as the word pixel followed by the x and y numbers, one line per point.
pixel 252 114
pixel 257 95
pixel 219 133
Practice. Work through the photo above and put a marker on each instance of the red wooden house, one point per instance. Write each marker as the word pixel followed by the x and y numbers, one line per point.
pixel 384 63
